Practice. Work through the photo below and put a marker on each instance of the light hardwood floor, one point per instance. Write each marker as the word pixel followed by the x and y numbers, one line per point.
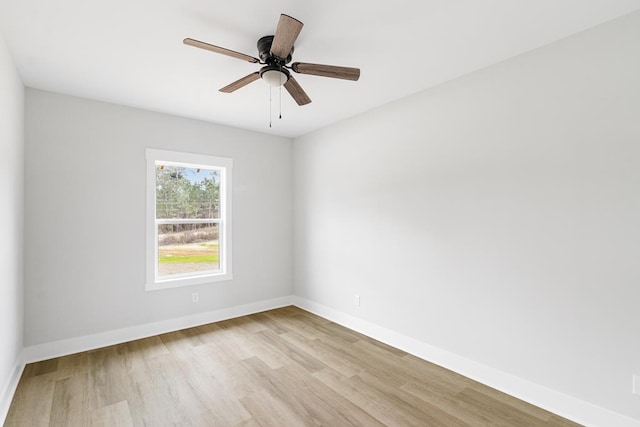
pixel 283 367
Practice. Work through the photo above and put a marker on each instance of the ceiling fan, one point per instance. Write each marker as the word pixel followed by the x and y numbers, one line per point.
pixel 275 53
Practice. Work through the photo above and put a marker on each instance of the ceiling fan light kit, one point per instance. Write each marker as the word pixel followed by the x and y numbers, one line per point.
pixel 275 52
pixel 274 78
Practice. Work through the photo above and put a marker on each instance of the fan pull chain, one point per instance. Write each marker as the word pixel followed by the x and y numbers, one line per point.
pixel 280 94
pixel 280 102
pixel 270 106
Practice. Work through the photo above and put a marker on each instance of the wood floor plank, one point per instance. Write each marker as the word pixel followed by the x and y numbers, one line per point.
pixel 375 404
pixel 116 415
pixel 270 323
pixel 248 324
pixel 511 402
pixel 70 402
pixel 331 330
pixel 31 405
pixel 295 399
pixel 241 344
pixel 161 395
pixel 343 411
pixel 500 413
pixel 215 402
pixel 41 368
pixel 109 377
pixel 556 421
pixel 291 352
pixel 431 415
pixel 292 321
pixel 147 348
pixel 70 365
pixel 283 367
pixel 444 399
pixel 233 377
pixel 325 355
pixel 261 404
pixel 366 361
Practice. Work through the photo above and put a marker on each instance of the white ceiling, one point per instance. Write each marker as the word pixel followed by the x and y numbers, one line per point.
pixel 130 52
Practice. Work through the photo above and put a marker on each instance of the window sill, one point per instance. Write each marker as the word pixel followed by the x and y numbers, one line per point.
pixel 180 282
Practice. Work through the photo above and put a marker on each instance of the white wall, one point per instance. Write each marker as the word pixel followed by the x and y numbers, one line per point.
pixel 85 216
pixel 495 216
pixel 11 209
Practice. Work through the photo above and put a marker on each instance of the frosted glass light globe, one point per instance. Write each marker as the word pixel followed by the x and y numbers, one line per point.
pixel 274 78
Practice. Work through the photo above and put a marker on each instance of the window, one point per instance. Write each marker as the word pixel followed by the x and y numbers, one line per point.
pixel 188 219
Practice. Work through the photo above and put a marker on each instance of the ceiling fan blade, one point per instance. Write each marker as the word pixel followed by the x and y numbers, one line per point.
pixel 346 73
pixel 221 50
pixel 296 91
pixel 287 32
pixel 241 83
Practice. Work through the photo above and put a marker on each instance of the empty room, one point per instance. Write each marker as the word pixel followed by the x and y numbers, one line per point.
pixel 410 213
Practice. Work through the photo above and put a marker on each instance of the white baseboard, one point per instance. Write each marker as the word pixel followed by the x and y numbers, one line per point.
pixel 559 403
pixel 50 350
pixel 9 389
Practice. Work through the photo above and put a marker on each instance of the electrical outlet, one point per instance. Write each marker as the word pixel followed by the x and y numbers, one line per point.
pixel 636 385
pixel 356 300
pixel 195 297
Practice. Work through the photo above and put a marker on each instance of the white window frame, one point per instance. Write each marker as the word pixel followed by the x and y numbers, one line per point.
pixel 191 160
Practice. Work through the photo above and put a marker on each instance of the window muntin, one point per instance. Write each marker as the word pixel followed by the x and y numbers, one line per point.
pixel 189 208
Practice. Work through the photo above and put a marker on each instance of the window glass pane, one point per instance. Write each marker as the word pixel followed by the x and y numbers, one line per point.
pixel 187 248
pixel 183 192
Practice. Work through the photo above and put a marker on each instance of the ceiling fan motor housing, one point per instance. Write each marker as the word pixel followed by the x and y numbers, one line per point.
pixel 274 72
pixel 264 49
